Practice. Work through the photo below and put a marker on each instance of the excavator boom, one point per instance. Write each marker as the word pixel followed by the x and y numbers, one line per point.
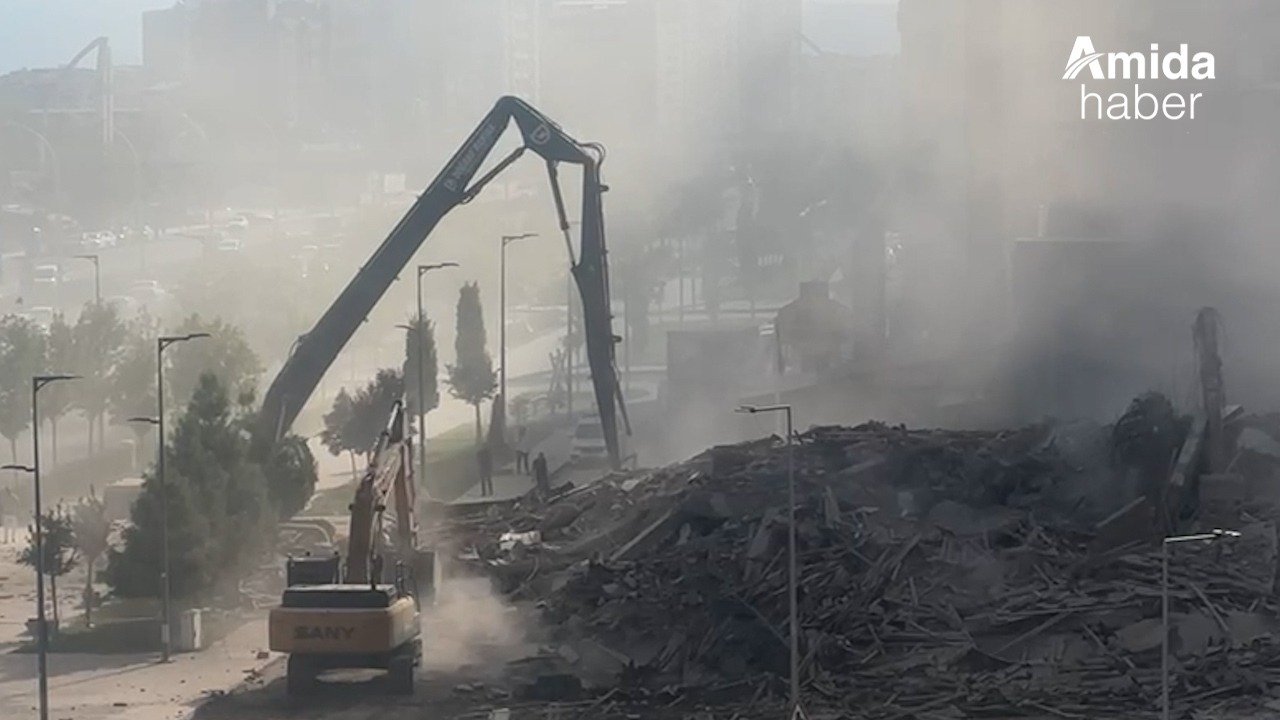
pixel 316 350
pixel 389 476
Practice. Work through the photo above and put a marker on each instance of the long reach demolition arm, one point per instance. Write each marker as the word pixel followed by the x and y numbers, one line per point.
pixel 315 352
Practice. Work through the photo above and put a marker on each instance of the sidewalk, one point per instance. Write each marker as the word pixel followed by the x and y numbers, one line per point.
pixel 507 485
pixel 137 687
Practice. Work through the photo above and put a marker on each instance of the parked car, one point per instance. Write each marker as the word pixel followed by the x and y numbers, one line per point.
pixel 145 288
pixel 99 240
pixel 46 275
pixel 588 441
pixel 230 245
pixel 40 316
pixel 239 222
pixel 588 448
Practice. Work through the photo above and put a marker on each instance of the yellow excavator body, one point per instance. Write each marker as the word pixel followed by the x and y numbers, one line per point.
pixel 336 630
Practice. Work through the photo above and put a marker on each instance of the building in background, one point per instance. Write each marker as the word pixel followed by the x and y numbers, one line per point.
pixel 1028 211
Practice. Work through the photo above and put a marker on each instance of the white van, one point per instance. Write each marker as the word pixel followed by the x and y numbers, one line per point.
pixel 119 497
pixel 589 447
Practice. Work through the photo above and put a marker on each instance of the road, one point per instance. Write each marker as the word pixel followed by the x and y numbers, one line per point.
pixel 480 651
pixel 118 686
pixel 169 255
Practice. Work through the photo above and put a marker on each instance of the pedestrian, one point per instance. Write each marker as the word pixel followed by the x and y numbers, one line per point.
pixel 522 450
pixel 10 509
pixel 484 459
pixel 541 480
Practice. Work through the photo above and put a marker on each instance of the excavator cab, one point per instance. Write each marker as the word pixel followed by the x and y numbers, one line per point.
pixel 308 570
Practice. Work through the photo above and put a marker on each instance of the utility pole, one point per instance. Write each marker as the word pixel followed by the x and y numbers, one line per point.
pixel 165 609
pixel 502 320
pixel 42 624
pixel 422 398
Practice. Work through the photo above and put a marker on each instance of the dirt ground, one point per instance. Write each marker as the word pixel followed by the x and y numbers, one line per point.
pixel 483 659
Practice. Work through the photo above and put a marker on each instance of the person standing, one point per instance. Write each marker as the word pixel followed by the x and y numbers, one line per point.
pixel 5 506
pixel 522 450
pixel 484 458
pixel 541 479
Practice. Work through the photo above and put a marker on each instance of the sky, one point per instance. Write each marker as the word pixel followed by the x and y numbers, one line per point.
pixel 45 33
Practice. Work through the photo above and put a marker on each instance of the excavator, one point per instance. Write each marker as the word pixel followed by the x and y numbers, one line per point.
pixel 315 351
pixel 365 612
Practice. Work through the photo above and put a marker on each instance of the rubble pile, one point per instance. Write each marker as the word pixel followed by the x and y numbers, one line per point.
pixel 943 574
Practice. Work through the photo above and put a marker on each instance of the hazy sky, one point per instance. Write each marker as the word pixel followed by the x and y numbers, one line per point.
pixel 44 33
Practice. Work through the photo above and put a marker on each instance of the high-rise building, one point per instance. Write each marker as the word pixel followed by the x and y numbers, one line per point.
pixel 166 43
pixel 1005 168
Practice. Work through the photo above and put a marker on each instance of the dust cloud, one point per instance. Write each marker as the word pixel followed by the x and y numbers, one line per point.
pixel 469 626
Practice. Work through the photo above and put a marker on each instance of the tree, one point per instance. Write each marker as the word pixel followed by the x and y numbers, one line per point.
pixel 55 400
pixel 472 379
pixel 134 570
pixel 98 340
pixel 337 428
pixel 292 472
pixel 218 503
pixel 22 349
pixel 372 406
pixel 225 353
pixel 92 531
pixel 58 545
pixel 430 367
pixel 355 422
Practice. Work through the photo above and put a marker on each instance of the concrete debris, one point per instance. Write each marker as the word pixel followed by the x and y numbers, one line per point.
pixel 999 587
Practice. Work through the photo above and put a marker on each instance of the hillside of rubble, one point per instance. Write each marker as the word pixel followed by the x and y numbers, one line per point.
pixel 942 573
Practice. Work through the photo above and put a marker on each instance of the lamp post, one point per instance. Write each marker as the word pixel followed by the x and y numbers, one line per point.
pixel 97 277
pixel 422 399
pixel 1210 537
pixel 163 342
pixel 792 612
pixel 147 420
pixel 42 627
pixel 502 319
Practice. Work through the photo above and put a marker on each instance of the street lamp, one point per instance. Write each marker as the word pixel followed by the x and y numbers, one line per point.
pixel 42 629
pixel 1210 537
pixel 97 277
pixel 147 420
pixel 502 319
pixel 163 342
pixel 422 400
pixel 792 612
